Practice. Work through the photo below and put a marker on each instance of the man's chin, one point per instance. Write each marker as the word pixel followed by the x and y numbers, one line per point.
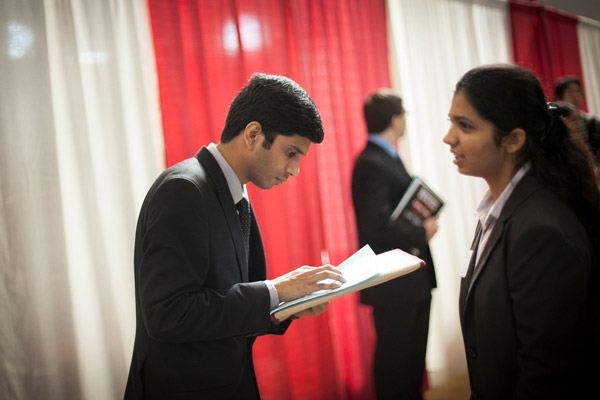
pixel 265 186
pixel 268 185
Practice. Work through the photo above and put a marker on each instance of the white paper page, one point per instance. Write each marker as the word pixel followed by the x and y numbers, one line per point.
pixel 353 269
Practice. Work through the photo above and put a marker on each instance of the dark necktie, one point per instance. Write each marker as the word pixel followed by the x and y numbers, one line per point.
pixel 243 208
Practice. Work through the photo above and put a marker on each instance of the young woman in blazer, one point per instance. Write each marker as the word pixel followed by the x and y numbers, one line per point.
pixel 528 302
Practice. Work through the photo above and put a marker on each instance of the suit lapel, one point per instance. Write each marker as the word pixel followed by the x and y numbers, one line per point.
pixel 401 168
pixel 224 195
pixel 522 191
pixel 485 252
pixel 464 286
pixel 389 163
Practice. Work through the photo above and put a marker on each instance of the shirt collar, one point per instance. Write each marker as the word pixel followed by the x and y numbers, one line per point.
pixel 489 210
pixel 235 186
pixel 384 144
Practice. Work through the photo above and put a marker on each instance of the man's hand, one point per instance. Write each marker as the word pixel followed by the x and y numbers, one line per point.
pixel 305 280
pixel 313 311
pixel 431 226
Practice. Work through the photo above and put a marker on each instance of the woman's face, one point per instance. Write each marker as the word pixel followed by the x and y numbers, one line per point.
pixel 471 141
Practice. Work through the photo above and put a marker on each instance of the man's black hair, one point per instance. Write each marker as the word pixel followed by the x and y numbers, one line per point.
pixel 563 83
pixel 281 107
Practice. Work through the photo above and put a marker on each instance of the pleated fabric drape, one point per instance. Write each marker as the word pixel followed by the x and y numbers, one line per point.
pixel 337 50
pixel 546 41
pixel 80 144
pixel 588 32
pixel 98 97
pixel 432 43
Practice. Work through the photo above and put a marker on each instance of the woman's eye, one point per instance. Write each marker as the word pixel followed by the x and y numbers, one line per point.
pixel 465 125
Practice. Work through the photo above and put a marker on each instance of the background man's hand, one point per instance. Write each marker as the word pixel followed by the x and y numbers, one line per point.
pixel 307 279
pixel 431 226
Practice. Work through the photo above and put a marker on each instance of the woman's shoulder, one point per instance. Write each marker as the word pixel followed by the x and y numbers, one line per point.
pixel 543 209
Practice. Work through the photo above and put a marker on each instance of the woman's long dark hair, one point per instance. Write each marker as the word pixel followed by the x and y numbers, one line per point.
pixel 511 97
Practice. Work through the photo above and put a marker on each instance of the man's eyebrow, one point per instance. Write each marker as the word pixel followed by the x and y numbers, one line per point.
pixel 297 149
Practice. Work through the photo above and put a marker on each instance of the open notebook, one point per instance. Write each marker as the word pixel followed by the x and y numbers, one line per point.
pixel 361 270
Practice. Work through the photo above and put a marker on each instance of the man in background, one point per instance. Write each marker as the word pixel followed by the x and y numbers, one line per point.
pixel 569 89
pixel 200 288
pixel 401 306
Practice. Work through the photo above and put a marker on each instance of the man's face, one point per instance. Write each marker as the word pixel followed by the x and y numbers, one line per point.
pixel 399 125
pixel 573 95
pixel 275 165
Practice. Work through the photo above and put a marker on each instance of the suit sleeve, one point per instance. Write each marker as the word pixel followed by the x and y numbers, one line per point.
pixel 547 279
pixel 373 207
pixel 175 303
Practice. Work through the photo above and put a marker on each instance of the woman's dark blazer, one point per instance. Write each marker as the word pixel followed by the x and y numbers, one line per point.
pixel 523 305
pixel 197 303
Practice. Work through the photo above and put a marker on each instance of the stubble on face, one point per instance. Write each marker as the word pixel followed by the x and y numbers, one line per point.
pixel 273 166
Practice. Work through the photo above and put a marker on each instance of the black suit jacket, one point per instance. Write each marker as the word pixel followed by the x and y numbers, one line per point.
pixel 378 182
pixel 198 307
pixel 523 305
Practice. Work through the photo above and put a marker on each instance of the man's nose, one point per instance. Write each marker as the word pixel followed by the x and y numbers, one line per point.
pixel 293 169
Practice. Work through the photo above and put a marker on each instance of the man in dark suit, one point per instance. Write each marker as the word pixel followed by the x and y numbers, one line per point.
pixel 401 306
pixel 201 293
pixel 568 88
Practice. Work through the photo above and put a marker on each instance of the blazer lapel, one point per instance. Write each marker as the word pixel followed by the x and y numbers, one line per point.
pixel 389 163
pixel 224 195
pixel 522 191
pixel 485 252
pixel 464 285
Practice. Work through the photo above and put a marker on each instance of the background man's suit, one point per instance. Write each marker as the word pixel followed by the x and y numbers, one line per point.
pixel 514 293
pixel 401 306
pixel 198 305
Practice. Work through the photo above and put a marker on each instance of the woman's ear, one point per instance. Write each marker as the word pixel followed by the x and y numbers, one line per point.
pixel 514 141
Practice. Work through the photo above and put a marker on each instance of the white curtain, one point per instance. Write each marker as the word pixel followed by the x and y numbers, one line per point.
pixel 432 43
pixel 588 32
pixel 80 143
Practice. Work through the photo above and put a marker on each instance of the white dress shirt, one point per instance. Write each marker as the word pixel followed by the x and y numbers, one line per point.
pixel 237 192
pixel 489 209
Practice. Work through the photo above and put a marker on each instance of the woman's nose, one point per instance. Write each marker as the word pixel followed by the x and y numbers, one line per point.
pixel 449 138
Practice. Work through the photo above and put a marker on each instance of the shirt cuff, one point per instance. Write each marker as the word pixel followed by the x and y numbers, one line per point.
pixel 273 294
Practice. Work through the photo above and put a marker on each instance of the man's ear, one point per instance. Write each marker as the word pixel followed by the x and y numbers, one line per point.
pixel 251 133
pixel 514 141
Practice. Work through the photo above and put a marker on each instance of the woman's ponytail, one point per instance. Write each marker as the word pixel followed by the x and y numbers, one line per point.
pixel 512 97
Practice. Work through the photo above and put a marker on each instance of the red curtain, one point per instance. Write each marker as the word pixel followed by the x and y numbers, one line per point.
pixel 337 50
pixel 545 41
